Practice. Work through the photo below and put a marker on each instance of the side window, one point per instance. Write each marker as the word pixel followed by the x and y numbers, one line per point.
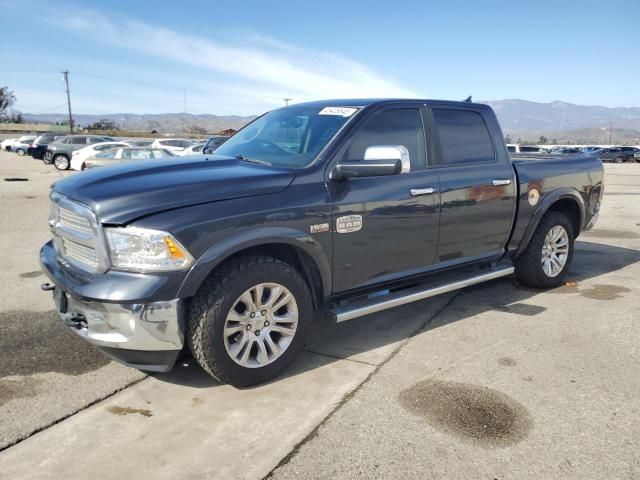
pixel 173 143
pixel 79 140
pixel 511 148
pixel 401 126
pixel 185 144
pixel 464 137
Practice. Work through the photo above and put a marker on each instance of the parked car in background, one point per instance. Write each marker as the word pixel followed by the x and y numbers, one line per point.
pixel 590 149
pixel 213 143
pixel 22 145
pixel 140 143
pixel 613 154
pixel 629 153
pixel 193 150
pixel 636 155
pixel 173 144
pixel 6 143
pixel 39 146
pixel 59 152
pixel 79 156
pixel 565 150
pixel 127 154
pixel 515 148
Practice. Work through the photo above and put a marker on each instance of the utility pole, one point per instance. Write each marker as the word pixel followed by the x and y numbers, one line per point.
pixel 66 81
pixel 610 130
pixel 287 100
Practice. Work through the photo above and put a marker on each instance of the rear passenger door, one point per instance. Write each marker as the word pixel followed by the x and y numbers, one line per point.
pixel 477 184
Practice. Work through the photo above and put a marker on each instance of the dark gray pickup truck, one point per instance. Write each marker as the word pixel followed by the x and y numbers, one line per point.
pixel 340 208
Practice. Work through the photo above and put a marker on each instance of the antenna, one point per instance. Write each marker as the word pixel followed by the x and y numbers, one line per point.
pixel 468 99
pixel 287 100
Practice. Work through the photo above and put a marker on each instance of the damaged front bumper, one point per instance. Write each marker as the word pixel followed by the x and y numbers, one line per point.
pixel 146 335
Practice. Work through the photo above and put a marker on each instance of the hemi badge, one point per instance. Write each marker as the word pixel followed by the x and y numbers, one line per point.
pixel 320 227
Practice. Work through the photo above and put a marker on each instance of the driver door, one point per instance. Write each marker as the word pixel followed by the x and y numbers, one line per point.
pixel 385 227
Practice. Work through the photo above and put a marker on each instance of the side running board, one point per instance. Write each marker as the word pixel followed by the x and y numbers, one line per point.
pixel 395 299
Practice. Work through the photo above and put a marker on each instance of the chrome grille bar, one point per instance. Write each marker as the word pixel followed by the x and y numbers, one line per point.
pixel 73 220
pixel 77 236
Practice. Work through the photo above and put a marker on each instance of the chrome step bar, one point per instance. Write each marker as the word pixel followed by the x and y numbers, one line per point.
pixel 395 299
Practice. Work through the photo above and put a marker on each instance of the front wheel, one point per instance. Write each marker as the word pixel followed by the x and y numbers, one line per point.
pixel 546 261
pixel 61 162
pixel 619 160
pixel 20 152
pixel 249 320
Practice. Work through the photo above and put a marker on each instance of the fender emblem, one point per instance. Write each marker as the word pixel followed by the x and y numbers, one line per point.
pixel 349 224
pixel 320 227
pixel 534 196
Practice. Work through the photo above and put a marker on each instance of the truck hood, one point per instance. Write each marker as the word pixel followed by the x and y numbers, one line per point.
pixel 123 193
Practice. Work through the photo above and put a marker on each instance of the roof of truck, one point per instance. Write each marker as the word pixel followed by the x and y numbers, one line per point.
pixel 365 102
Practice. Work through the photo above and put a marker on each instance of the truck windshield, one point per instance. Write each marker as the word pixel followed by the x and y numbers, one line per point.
pixel 287 137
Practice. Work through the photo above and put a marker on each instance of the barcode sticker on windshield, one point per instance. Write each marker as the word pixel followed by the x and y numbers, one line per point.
pixel 339 111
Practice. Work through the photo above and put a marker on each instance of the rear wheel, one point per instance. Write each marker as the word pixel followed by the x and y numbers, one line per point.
pixel 619 159
pixel 248 322
pixel 546 261
pixel 61 162
pixel 20 152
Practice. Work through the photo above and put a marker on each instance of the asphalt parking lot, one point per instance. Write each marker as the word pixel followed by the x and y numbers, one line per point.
pixel 495 381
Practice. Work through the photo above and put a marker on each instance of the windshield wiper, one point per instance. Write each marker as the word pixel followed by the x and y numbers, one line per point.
pixel 242 158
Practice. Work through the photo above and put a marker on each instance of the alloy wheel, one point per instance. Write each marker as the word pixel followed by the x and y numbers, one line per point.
pixel 555 251
pixel 261 325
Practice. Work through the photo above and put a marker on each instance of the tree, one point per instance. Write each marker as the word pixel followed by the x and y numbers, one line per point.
pixel 7 99
pixel 103 124
pixel 16 117
pixel 508 139
pixel 542 139
pixel 197 130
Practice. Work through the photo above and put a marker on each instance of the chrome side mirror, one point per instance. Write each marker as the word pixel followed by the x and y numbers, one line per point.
pixel 389 152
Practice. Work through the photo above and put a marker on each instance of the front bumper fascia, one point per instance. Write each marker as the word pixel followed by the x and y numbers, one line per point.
pixel 131 326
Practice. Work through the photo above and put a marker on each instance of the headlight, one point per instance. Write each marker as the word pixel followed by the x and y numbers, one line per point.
pixel 143 250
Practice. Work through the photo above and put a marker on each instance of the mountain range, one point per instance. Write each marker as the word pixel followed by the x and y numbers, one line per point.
pixel 519 118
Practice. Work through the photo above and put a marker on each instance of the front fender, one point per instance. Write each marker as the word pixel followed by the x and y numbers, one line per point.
pixel 542 208
pixel 222 250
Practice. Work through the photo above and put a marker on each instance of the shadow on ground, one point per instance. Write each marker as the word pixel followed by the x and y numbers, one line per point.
pixel 331 342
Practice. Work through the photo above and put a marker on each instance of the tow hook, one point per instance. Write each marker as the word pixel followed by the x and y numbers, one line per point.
pixel 47 287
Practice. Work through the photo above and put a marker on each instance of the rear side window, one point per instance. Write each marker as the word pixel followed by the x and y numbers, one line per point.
pixel 79 140
pixel 401 126
pixel 530 149
pixel 464 137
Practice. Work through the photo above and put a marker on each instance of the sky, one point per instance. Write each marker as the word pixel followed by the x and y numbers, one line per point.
pixel 245 57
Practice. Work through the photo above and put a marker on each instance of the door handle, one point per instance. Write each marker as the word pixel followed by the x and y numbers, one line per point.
pixel 422 191
pixel 501 181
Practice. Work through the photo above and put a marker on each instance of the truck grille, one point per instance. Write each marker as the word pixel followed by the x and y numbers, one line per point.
pixel 77 236
pixel 73 220
pixel 81 253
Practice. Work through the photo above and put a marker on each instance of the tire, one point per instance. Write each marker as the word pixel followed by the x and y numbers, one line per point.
pixel 529 266
pixel 61 162
pixel 20 152
pixel 219 301
pixel 619 160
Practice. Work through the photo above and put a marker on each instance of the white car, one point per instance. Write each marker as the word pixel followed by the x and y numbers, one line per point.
pixel 193 150
pixel 79 156
pixel 173 144
pixel 6 144
pixel 21 146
